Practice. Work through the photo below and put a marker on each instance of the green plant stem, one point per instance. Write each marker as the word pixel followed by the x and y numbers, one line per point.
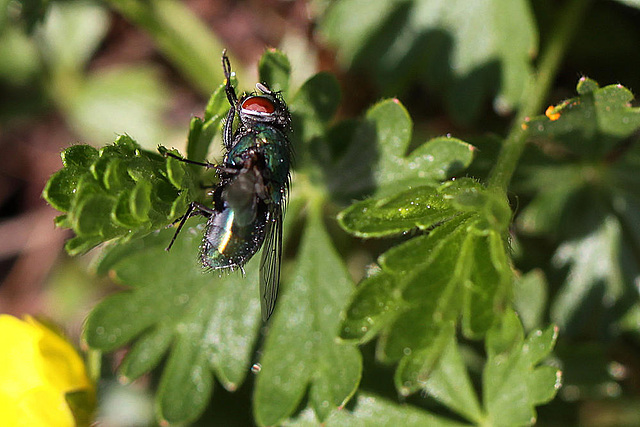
pixel 94 364
pixel 181 36
pixel 563 32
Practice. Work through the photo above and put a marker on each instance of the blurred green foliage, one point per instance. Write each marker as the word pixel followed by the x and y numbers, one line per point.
pixel 468 52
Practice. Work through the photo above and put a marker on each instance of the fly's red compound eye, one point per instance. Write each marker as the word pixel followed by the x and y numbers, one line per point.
pixel 259 105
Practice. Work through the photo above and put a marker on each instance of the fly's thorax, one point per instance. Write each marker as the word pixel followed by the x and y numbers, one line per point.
pixel 270 144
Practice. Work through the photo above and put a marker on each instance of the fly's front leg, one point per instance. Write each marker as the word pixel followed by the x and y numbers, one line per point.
pixel 227 134
pixel 226 68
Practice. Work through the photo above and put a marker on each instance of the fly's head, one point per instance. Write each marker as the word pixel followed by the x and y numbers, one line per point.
pixel 264 106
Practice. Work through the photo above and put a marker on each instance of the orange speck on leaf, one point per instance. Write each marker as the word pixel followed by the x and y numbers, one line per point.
pixel 524 126
pixel 550 113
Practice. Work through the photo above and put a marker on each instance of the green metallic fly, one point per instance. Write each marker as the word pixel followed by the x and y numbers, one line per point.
pixel 248 202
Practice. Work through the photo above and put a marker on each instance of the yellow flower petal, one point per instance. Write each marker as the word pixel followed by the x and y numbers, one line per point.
pixel 64 368
pixel 18 358
pixel 37 368
pixel 46 407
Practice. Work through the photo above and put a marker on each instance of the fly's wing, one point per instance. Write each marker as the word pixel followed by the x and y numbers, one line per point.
pixel 240 196
pixel 270 261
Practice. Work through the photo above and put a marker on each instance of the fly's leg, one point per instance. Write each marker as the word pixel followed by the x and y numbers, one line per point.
pixel 227 134
pixel 208 165
pixel 226 68
pixel 194 209
pixel 191 162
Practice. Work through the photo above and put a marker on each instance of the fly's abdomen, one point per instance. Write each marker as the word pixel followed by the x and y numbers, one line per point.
pixel 229 243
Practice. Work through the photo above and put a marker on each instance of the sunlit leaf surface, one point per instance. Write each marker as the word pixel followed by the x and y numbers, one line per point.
pixel 588 196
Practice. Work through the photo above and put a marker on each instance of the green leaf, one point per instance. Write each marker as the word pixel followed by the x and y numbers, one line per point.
pixel 530 298
pixel 592 124
pixel 395 214
pixel 32 13
pixel 82 404
pixel 432 290
pixel 372 410
pixel 435 290
pixel 488 285
pixel 200 136
pixel 595 279
pixel 274 69
pixel 61 188
pixel 437 159
pixel 116 192
pixel 301 351
pixel 128 100
pixel 92 213
pixel 630 322
pixel 417 251
pixel 203 131
pixel 588 198
pixel 81 156
pixel 456 280
pixel 312 107
pixel 414 369
pixel 375 303
pixel 420 207
pixel 146 352
pixel 218 104
pixel 20 65
pixel 140 200
pixel 186 384
pixel 631 3
pixel 448 381
pixel 544 214
pixel 377 156
pixel 469 53
pixel 71 33
pixel 207 323
pixel 80 245
pixel 512 384
pixel 459 271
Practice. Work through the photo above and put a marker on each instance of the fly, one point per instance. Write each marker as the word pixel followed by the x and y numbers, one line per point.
pixel 248 202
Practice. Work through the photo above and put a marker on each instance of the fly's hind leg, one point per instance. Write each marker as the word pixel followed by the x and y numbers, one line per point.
pixel 194 209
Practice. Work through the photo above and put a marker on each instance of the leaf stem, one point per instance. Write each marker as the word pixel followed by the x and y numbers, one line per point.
pixel 537 91
pixel 94 364
pixel 181 36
